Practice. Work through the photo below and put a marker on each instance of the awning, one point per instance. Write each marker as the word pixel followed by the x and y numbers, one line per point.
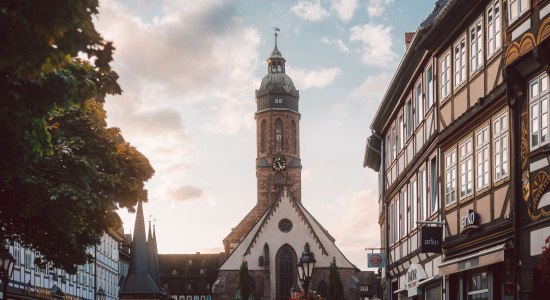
pixel 372 153
pixel 482 258
pixel 428 280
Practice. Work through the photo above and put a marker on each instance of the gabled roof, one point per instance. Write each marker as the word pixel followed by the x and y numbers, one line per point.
pixel 305 229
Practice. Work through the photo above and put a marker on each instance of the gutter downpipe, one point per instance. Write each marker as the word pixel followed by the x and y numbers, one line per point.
pixel 386 221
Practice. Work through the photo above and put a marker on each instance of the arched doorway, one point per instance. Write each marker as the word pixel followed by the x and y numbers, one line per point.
pixel 286 271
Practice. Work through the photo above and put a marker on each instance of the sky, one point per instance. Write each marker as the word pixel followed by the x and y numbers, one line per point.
pixel 189 70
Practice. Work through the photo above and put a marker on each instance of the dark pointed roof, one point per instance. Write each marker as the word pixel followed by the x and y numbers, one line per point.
pixel 153 255
pixel 140 282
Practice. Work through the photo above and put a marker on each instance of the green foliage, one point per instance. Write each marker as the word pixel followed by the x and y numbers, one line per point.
pixel 63 172
pixel 335 286
pixel 244 281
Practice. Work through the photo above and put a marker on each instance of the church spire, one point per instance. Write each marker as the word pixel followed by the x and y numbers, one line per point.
pixel 153 255
pixel 276 62
pixel 140 261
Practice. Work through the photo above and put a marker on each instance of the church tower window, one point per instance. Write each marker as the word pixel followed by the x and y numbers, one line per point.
pixel 278 135
pixel 262 136
pixel 278 181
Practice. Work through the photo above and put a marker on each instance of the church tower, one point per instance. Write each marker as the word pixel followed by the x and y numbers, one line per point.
pixel 278 161
pixel 278 133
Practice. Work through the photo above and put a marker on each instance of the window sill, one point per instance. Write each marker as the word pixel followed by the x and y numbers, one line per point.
pixel 460 87
pixel 477 72
pixel 493 56
pixel 451 206
pixel 467 199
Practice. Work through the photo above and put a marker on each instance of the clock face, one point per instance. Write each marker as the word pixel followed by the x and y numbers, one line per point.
pixel 279 164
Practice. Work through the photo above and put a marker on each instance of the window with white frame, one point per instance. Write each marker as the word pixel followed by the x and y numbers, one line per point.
pixel 433 185
pixel 482 157
pixel 538 110
pixel 465 157
pixel 459 50
pixel 400 134
pixel 494 39
pixel 500 145
pixel 391 222
pixel 476 46
pixel 409 114
pixel 422 196
pixel 394 143
pixel 413 204
pixel 450 177
pixel 429 87
pixel 516 8
pixel 403 203
pixel 419 103
pixel 445 77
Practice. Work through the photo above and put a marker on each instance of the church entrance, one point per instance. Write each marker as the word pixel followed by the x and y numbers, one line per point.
pixel 286 271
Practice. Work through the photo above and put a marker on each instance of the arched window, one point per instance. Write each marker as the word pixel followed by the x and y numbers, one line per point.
pixel 262 136
pixel 278 135
pixel 286 270
pixel 278 181
pixel 293 137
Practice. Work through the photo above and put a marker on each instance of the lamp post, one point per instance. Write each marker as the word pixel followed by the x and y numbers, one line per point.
pixel 305 267
pixel 6 269
pixel 100 295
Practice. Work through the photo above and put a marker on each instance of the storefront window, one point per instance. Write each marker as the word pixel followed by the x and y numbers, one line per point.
pixel 478 286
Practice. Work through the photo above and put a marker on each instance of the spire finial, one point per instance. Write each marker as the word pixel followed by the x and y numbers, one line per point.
pixel 276 29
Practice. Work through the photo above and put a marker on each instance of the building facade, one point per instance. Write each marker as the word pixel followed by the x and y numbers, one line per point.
pixel 489 79
pixel 189 276
pixel 29 281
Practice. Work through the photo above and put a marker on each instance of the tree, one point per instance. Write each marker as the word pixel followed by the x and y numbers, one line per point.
pixel 63 172
pixel 335 287
pixel 244 281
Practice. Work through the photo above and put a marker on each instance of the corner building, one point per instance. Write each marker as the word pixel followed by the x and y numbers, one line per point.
pixel 272 236
pixel 484 66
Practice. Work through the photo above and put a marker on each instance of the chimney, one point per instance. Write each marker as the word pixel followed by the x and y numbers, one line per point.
pixel 409 36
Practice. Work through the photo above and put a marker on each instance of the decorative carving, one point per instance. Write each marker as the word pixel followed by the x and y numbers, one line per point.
pixel 544 30
pixel 526 190
pixel 540 183
pixel 512 53
pixel 527 43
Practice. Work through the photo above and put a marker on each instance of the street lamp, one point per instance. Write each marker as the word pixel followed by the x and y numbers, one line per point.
pixel 6 269
pixel 305 267
pixel 100 295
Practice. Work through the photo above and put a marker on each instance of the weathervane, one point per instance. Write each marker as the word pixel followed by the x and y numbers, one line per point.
pixel 276 29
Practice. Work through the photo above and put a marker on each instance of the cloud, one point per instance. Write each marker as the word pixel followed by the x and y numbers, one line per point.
pixel 313 78
pixel 376 44
pixel 310 10
pixel 357 226
pixel 362 101
pixel 338 43
pixel 176 56
pixel 185 193
pixel 376 8
pixel 344 8
pixel 154 122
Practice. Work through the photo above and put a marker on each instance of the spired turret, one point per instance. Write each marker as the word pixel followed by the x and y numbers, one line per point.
pixel 277 90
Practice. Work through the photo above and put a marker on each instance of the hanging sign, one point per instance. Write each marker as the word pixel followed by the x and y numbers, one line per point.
pixel 432 239
pixel 415 274
pixel 376 260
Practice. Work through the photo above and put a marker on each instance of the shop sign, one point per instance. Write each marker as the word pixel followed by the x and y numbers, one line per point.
pixel 415 274
pixel 431 238
pixel 468 264
pixel 376 260
pixel 470 221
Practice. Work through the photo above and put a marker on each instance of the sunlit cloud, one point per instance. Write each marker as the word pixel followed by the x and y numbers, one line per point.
pixel 310 10
pixel 338 43
pixel 376 44
pixel 344 8
pixel 376 8
pixel 306 79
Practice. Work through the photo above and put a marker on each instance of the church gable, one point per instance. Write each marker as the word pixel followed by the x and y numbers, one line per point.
pixel 285 223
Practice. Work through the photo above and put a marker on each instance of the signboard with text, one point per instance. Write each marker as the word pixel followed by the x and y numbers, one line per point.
pixel 431 239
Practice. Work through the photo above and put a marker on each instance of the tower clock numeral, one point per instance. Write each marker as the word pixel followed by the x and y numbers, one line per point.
pixel 278 164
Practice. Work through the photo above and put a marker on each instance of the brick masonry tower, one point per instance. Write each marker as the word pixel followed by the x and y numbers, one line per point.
pixel 278 161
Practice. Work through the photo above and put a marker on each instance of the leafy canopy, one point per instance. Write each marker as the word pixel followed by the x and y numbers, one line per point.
pixel 63 172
